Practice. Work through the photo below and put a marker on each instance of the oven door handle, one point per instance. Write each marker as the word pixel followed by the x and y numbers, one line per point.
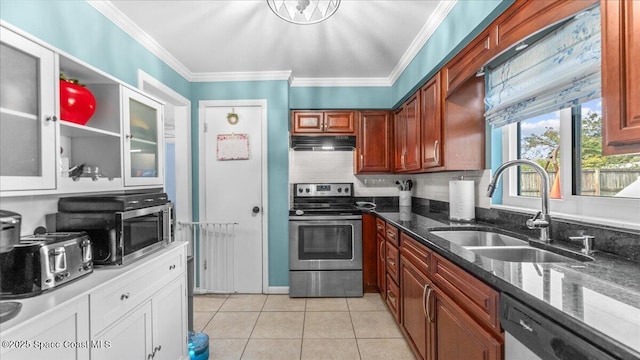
pixel 325 218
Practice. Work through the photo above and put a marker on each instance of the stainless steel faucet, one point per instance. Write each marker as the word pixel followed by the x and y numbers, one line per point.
pixel 541 220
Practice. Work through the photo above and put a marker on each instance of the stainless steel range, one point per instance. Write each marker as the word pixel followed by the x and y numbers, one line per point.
pixel 325 242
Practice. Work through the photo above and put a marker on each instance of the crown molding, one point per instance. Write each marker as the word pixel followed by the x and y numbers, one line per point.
pixel 123 22
pixel 242 76
pixel 340 82
pixel 434 21
pixel 116 16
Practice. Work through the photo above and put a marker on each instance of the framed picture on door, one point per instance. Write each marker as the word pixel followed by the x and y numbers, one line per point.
pixel 232 147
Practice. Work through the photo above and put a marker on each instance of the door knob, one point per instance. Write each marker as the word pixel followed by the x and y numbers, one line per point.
pixel 256 210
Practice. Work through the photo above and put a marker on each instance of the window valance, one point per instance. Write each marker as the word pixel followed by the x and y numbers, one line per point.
pixel 560 70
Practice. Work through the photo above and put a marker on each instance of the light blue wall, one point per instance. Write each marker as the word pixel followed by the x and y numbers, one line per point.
pixel 78 29
pixel 277 95
pixel 341 97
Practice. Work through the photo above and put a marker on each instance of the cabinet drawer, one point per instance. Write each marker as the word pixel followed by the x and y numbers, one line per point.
pixel 393 298
pixel 113 300
pixel 393 261
pixel 415 252
pixel 471 294
pixel 380 228
pixel 392 234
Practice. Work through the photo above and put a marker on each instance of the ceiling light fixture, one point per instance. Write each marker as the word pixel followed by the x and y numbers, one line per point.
pixel 304 12
pixel 521 46
pixel 480 72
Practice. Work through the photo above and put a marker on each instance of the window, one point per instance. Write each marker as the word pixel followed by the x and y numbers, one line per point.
pixel 584 183
pixel 532 104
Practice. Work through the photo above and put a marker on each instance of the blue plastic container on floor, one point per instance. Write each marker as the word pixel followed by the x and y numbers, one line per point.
pixel 198 346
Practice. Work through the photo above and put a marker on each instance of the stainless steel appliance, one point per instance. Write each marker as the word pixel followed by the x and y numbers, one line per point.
pixel 325 242
pixel 44 261
pixel 10 230
pixel 122 227
pixel 531 335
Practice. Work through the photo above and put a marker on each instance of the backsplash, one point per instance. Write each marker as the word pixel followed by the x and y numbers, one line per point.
pixel 337 166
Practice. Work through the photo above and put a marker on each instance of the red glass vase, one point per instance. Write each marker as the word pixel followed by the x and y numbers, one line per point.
pixel 77 103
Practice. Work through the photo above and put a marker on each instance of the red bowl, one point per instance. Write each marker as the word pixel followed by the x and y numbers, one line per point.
pixel 77 103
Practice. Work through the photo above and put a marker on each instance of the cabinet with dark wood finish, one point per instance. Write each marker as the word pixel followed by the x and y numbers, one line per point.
pixel 369 250
pixel 467 62
pixel 431 123
pixel 464 127
pixel 407 136
pixel 373 148
pixel 620 77
pixel 446 313
pixel 322 122
pixel 459 336
pixel 381 257
pixel 393 298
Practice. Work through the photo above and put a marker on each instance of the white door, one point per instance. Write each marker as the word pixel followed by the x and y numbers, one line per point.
pixel 233 194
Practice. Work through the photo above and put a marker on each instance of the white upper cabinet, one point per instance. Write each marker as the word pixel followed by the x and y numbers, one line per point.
pixel 27 114
pixel 143 139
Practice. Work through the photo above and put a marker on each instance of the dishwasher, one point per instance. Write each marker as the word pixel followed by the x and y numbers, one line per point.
pixel 529 335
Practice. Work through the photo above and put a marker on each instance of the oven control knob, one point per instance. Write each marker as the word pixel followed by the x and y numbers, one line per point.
pixel 346 189
pixel 307 190
pixel 299 190
pixel 299 212
pixel 340 190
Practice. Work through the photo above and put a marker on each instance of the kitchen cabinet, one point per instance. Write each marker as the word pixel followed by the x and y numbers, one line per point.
pixel 446 313
pixel 468 61
pixel 431 122
pixel 407 136
pixel 464 127
pixel 143 139
pixel 373 143
pixel 27 114
pixel 148 331
pixel 323 122
pixel 620 77
pixel 60 333
pixel 121 144
pixel 369 253
pixel 380 258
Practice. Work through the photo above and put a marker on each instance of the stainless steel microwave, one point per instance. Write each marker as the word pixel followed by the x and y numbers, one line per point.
pixel 120 237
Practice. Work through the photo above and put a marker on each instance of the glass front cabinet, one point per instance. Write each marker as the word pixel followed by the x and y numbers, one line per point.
pixel 27 114
pixel 143 140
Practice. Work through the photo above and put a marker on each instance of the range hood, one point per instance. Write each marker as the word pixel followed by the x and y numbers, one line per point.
pixel 323 143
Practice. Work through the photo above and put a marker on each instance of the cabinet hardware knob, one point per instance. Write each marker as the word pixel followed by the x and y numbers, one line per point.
pixel 52 118
pixel 124 296
pixel 172 267
pixel 428 307
pixel 129 136
pixel 435 152
pixel 381 251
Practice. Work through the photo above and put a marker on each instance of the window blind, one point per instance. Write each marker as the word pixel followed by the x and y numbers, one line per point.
pixel 560 70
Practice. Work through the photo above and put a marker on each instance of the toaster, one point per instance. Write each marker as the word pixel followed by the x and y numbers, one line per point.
pixel 43 262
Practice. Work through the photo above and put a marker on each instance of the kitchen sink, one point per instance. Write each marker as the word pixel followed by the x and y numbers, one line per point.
pixel 524 254
pixel 479 238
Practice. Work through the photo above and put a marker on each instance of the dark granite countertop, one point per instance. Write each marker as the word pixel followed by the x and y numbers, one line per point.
pixel 599 300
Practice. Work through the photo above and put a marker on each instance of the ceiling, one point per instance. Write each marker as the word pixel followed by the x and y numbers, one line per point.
pixel 363 43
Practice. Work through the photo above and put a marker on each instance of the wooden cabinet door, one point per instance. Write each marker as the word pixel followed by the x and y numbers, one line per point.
pixel 369 253
pixel 399 139
pixel 412 141
pixel 307 122
pixel 431 116
pixel 414 287
pixel 382 266
pixel 620 77
pixel 468 62
pixel 169 311
pixel 130 338
pixel 458 336
pixel 339 122
pixel 373 153
pixel 464 127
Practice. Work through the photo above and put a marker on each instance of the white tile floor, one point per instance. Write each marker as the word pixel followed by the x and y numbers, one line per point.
pixel 278 327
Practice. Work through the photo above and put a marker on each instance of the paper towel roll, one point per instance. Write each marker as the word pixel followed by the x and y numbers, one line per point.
pixel 462 203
